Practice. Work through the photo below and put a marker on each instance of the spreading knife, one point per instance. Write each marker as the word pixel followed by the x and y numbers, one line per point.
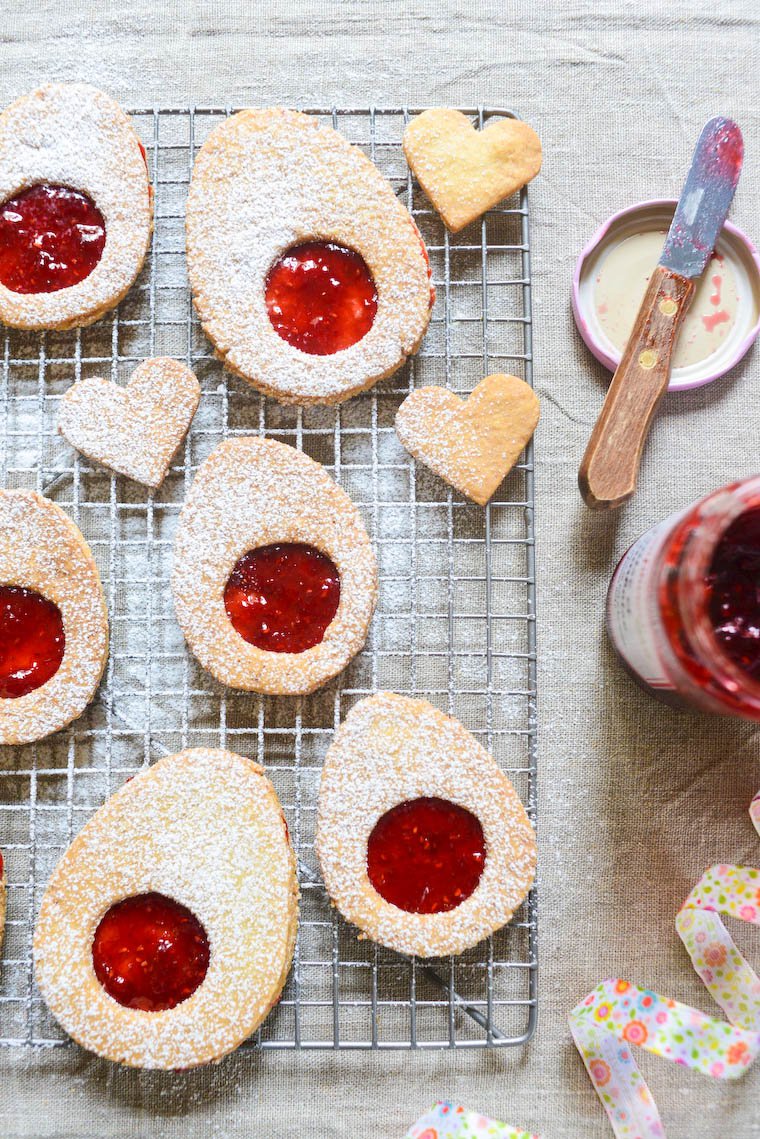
pixel 607 475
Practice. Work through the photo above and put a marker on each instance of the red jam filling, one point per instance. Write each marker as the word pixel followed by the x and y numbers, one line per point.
pixel 32 640
pixel 733 585
pixel 426 856
pixel 51 237
pixel 283 597
pixel 321 297
pixel 150 952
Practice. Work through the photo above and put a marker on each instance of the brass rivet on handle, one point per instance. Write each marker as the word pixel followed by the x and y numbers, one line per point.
pixel 648 358
pixel 668 306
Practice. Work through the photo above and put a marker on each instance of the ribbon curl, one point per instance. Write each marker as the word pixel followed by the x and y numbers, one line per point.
pixel 618 1014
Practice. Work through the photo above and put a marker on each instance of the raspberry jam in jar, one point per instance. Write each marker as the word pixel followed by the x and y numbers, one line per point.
pixel 321 297
pixel 283 597
pixel 51 237
pixel 683 607
pixel 32 641
pixel 426 855
pixel 150 952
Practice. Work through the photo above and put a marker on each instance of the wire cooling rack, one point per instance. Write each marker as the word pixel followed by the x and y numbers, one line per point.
pixel 455 620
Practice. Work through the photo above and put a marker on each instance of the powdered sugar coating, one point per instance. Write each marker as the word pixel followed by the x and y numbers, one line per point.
pixel 42 549
pixel 266 180
pixel 135 430
pixel 73 135
pixel 204 827
pixel 391 749
pixel 253 492
pixel 472 443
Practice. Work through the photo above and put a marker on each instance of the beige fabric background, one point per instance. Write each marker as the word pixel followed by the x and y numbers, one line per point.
pixel 635 799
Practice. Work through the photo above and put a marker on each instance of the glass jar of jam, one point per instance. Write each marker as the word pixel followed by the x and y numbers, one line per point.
pixel 683 606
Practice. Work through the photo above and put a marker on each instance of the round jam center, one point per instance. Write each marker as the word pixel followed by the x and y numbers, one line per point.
pixel 150 952
pixel 733 590
pixel 283 597
pixel 51 237
pixel 426 856
pixel 31 640
pixel 321 297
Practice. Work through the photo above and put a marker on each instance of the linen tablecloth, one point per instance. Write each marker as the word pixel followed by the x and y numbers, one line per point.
pixel 635 800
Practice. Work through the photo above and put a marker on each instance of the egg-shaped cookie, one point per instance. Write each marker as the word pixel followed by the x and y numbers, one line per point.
pixel 53 619
pixel 166 931
pixel 274 578
pixel 422 840
pixel 76 213
pixel 309 275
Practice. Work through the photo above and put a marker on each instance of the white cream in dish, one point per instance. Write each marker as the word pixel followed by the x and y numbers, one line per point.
pixel 733 321
pixel 620 282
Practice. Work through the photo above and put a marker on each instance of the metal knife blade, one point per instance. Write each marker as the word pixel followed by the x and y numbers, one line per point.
pixel 705 199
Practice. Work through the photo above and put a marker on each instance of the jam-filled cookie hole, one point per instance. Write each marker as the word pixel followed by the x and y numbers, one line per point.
pixel 426 855
pixel 51 237
pixel 150 952
pixel 32 641
pixel 321 297
pixel 282 597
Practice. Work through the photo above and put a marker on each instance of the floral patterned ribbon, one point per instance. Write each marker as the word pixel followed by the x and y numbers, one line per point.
pixel 449 1121
pixel 618 1014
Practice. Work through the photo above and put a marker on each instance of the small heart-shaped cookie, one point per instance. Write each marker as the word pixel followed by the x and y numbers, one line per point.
pixel 136 430
pixel 471 444
pixel 465 172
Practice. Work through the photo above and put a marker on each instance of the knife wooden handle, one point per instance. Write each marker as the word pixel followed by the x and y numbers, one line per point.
pixel 607 475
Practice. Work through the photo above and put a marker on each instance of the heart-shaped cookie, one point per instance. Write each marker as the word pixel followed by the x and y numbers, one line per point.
pixel 465 172
pixel 471 444
pixel 135 430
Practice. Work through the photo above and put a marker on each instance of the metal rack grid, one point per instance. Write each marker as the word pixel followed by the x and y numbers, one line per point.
pixel 455 620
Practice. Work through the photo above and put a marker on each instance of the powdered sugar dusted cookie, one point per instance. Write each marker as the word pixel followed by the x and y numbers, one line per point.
pixel 309 276
pixel 53 619
pixel 465 172
pixel 422 840
pixel 472 443
pixel 135 430
pixel 166 931
pixel 274 579
pixel 76 218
